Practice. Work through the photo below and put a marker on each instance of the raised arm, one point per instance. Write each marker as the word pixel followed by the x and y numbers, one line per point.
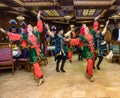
pixel 49 31
pixel 105 28
pixel 96 18
pixel 69 32
pixel 2 30
pixel 12 36
pixel 38 15
pixel 39 23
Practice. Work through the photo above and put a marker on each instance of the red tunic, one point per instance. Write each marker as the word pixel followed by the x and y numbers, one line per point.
pixel 31 39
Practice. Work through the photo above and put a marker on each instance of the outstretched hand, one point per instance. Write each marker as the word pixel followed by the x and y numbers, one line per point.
pixel 39 14
pixel 96 18
pixel 72 26
pixel 46 25
pixel 2 30
pixel 107 22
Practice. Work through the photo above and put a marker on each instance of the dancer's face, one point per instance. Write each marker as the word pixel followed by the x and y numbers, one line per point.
pixel 61 32
pixel 29 28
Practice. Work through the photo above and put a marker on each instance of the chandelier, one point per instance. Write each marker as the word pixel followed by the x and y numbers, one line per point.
pixel 116 17
pixel 102 25
pixel 67 17
pixel 20 18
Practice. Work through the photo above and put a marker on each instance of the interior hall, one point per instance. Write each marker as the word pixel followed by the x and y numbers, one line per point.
pixel 59 48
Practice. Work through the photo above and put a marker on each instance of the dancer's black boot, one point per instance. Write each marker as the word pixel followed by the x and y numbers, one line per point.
pixel 99 62
pixel 57 66
pixel 62 66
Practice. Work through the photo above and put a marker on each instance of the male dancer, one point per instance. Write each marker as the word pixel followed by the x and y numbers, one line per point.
pixel 98 37
pixel 60 52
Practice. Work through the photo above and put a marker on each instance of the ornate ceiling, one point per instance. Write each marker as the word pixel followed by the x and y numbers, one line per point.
pixel 56 10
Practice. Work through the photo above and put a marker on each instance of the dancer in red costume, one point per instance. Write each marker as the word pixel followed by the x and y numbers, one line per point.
pixel 71 47
pixel 32 39
pixel 88 50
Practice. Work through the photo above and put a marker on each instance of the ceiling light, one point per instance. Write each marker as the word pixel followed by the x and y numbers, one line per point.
pixel 114 17
pixel 67 17
pixel 101 25
pixel 20 18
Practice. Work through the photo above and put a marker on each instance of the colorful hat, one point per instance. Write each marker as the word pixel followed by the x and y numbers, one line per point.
pixel 13 21
pixel 53 28
pixel 60 29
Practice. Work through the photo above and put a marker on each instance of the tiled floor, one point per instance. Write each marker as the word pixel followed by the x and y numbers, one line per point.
pixel 72 84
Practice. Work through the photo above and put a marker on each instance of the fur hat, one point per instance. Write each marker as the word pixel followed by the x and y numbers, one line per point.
pixel 59 29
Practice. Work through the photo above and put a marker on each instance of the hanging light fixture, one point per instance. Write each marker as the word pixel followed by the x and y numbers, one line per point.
pixel 102 25
pixel 20 18
pixel 116 17
pixel 67 17
pixel 68 12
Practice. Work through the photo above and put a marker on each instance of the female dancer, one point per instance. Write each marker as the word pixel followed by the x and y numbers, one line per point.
pixel 88 50
pixel 33 41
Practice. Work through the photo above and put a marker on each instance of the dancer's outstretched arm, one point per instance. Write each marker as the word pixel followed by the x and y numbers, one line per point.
pixel 48 29
pixel 96 18
pixel 70 31
pixel 11 35
pixel 39 23
pixel 105 28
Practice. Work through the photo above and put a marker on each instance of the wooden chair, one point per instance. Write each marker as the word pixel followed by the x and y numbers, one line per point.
pixel 24 60
pixel 43 58
pixel 6 57
pixel 115 47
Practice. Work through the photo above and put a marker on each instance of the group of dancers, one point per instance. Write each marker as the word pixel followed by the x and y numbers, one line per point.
pixel 90 40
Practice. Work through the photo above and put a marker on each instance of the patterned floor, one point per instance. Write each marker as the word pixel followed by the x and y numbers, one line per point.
pixel 72 84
